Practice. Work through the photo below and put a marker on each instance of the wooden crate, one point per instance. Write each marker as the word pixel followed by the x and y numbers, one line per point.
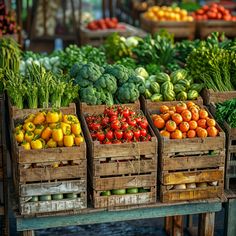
pixel 147 104
pixel 27 191
pixel 209 96
pixel 98 37
pixel 92 109
pixel 180 29
pixel 16 113
pixel 205 28
pixel 121 166
pixel 189 161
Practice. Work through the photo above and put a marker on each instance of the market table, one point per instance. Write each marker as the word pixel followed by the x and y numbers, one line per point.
pixel 206 209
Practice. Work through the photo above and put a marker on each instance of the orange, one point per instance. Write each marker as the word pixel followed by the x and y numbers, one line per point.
pixel 165 116
pixel 212 131
pixel 165 133
pixel 192 124
pixel 154 116
pixel 180 106
pixel 171 126
pixel 164 108
pixel 187 115
pixel 202 123
pixel 177 118
pixel 184 126
pixel 201 133
pixel 190 104
pixel 191 133
pixel 159 123
pixel 177 134
pixel 203 114
pixel 211 122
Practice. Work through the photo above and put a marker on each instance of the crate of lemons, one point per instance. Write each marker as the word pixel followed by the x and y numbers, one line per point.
pixel 49 129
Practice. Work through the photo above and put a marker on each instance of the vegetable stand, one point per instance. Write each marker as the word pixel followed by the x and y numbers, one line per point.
pixel 207 210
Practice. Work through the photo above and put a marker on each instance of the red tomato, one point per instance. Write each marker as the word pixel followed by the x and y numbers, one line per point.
pixel 124 126
pixel 126 112
pixel 118 134
pixel 115 124
pixel 113 118
pixel 100 136
pixel 131 122
pixel 105 121
pixel 128 135
pixel 143 132
pixel 136 133
pixel 109 135
pixel 144 123
pixel 95 126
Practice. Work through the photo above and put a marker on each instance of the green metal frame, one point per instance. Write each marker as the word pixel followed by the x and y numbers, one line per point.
pixel 96 217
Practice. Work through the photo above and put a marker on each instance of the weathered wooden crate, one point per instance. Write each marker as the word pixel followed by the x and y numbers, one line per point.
pixel 92 109
pixel 147 104
pixel 98 37
pixel 209 96
pixel 188 160
pixel 180 29
pixel 205 28
pixel 16 113
pixel 27 191
pixel 121 166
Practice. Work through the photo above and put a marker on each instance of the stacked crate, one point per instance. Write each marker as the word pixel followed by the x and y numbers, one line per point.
pixel 190 161
pixel 121 166
pixel 57 173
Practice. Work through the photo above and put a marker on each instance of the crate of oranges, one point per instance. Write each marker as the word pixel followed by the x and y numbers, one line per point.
pixel 175 20
pixel 191 151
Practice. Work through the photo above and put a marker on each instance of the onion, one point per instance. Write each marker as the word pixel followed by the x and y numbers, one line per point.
pixel 180 186
pixel 201 185
pixel 191 186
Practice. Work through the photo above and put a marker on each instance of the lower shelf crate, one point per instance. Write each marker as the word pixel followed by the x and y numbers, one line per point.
pixel 27 192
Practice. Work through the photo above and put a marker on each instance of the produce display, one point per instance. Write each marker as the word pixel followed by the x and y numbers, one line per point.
pixel 123 191
pixel 48 130
pixel 226 111
pixel 164 13
pixel 39 88
pixel 118 124
pixel 185 120
pixel 178 86
pixel 107 85
pixel 8 24
pixel 213 11
pixel 103 24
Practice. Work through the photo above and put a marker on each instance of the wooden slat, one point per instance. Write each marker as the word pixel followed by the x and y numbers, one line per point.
pixel 191 194
pixel 1 210
pixel 71 186
pixel 124 182
pixel 127 167
pixel 177 226
pixel 47 174
pixel 123 200
pixel 168 224
pixel 192 176
pixel 230 213
pixel 53 206
pixel 192 162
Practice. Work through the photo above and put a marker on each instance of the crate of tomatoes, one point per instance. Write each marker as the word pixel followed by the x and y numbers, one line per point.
pixel 191 151
pixel 49 162
pixel 214 18
pixel 96 31
pixel 122 157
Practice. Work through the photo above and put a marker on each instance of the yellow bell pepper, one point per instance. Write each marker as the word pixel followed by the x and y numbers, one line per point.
pixel 46 134
pixel 60 144
pixel 57 134
pixel 68 140
pixel 26 145
pixel 29 118
pixel 19 136
pixel 66 128
pixel 78 140
pixel 52 117
pixel 39 129
pixel 51 143
pixel 54 125
pixel 29 126
pixel 70 119
pixel 76 128
pixel 36 144
pixel 18 127
pixel 29 135
pixel 39 118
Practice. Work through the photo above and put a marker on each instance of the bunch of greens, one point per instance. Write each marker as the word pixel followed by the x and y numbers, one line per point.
pixel 211 66
pixel 226 111
pixel 107 85
pixel 158 50
pixel 10 54
pixel 39 88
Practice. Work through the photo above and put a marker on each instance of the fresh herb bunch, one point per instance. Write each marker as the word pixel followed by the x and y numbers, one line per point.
pixel 212 66
pixel 226 111
pixel 10 54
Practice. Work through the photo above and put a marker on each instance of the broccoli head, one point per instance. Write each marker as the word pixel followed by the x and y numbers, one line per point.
pixel 120 72
pixel 139 82
pixel 75 69
pixel 88 95
pixel 107 82
pixel 127 93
